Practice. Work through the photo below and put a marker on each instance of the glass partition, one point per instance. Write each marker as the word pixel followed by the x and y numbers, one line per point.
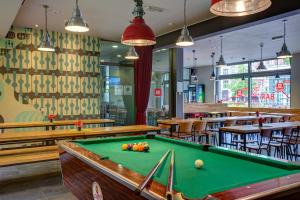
pixel 158 105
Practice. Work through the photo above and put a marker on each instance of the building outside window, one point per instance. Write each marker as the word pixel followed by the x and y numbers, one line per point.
pixel 259 88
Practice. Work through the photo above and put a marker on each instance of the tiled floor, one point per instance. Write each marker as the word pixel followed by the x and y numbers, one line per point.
pixel 39 181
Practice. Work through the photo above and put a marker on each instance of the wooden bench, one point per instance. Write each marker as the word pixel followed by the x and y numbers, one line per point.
pixel 28 155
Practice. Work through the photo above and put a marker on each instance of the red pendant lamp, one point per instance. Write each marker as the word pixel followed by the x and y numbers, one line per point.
pixel 236 8
pixel 138 33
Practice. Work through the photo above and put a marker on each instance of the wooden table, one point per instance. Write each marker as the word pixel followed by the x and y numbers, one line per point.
pixel 33 136
pixel 47 124
pixel 173 123
pixel 288 115
pixel 244 112
pixel 250 129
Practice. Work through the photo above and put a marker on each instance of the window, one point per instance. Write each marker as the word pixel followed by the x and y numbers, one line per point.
pixel 234 92
pixel 234 69
pixel 272 65
pixel 268 92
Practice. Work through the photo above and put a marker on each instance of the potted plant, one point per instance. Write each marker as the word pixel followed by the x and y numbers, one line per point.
pixel 79 124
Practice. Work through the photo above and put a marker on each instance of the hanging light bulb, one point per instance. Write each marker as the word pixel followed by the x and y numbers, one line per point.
pixel 221 62
pixel 185 39
pixel 261 65
pixel 213 75
pixel 46 42
pixel 243 78
pixel 138 33
pixel 132 54
pixel 236 8
pixel 284 52
pixel 76 23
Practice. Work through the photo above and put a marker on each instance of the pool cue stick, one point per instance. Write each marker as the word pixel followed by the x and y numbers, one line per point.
pixel 169 193
pixel 143 184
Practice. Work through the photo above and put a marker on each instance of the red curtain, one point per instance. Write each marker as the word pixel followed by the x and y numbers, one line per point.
pixel 142 81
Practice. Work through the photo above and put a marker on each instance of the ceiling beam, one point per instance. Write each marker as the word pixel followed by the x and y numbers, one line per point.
pixel 221 25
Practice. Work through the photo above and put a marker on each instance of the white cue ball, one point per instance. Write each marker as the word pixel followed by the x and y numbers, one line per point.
pixel 198 164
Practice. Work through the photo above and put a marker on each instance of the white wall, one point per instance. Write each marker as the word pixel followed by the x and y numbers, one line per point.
pixel 295 81
pixel 203 74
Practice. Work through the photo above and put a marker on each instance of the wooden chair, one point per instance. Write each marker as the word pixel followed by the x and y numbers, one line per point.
pixel 200 130
pixel 275 119
pixel 268 120
pixel 226 124
pixel 185 129
pixel 165 129
pixel 263 144
pixel 285 118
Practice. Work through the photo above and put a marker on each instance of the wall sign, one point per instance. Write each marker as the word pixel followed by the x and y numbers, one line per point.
pixel 157 92
pixel 280 87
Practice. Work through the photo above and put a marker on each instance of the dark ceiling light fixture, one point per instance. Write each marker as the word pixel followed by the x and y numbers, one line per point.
pixel 213 75
pixel 76 23
pixel 284 52
pixel 185 38
pixel 132 54
pixel 138 33
pixel 221 62
pixel 237 8
pixel 261 65
pixel 243 78
pixel 46 44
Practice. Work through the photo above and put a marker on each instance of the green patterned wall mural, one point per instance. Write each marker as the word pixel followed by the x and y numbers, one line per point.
pixel 66 83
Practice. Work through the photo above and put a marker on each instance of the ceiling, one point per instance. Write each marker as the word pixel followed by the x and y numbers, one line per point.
pixel 8 13
pixel 244 43
pixel 108 18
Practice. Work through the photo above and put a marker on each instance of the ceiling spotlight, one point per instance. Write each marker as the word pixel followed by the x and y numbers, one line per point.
pixel 138 33
pixel 76 23
pixel 115 46
pixel 284 52
pixel 236 8
pixel 119 55
pixel 185 39
pixel 46 44
pixel 132 54
pixel 261 65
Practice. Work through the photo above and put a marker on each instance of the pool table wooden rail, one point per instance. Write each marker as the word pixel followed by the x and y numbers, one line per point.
pixel 79 164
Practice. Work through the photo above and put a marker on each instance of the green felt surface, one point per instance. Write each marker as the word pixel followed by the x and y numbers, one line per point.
pixel 220 171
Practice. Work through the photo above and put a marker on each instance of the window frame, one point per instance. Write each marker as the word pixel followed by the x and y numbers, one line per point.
pixel 251 75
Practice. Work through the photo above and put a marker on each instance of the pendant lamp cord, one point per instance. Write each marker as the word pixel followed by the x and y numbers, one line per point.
pixel 184 13
pixel 261 49
pixel 221 45
pixel 284 30
pixel 46 18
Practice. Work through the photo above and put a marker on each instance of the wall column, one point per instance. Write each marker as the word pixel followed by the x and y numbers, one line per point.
pixel 295 81
pixel 176 75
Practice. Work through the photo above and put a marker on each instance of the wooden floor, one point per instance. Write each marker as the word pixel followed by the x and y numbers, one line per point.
pixel 38 181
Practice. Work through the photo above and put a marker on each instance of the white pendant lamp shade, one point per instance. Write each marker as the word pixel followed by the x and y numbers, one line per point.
pixel 185 38
pixel 132 54
pixel 284 52
pixel 261 65
pixel 76 23
pixel 236 8
pixel 46 44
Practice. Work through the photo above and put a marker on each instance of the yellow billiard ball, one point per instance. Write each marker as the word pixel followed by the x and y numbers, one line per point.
pixel 199 164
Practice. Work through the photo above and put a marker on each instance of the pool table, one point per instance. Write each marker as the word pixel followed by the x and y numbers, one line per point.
pixel 96 168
